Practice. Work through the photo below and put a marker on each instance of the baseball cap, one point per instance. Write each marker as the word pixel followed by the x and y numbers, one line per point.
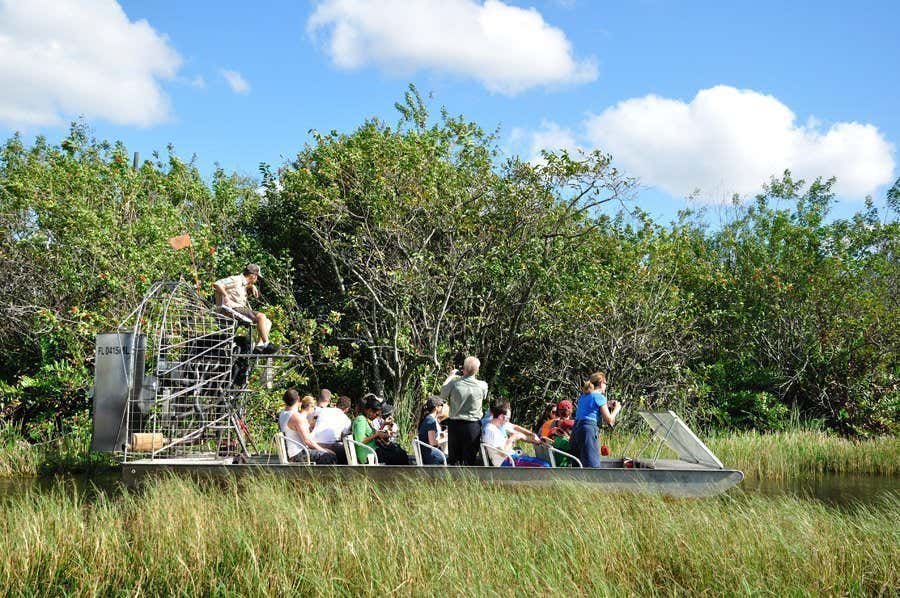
pixel 433 402
pixel 253 269
pixel 564 405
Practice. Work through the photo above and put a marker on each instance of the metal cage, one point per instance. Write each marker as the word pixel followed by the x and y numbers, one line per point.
pixel 189 368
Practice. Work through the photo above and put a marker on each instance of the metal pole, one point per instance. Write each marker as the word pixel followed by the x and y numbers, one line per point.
pixel 134 165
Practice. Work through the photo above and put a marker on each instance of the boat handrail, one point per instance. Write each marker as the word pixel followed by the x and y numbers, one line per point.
pixel 417 451
pixel 281 441
pixel 487 461
pixel 350 446
pixel 552 449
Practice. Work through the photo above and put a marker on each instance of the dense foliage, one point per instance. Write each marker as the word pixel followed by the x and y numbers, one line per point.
pixel 392 251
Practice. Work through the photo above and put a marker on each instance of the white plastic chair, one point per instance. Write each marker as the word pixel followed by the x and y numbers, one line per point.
pixel 281 441
pixel 417 446
pixel 486 449
pixel 350 447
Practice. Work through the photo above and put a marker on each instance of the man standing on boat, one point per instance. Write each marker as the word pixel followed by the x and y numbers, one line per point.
pixel 465 395
pixel 231 299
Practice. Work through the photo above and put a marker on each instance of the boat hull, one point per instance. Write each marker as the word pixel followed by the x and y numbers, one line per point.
pixel 668 480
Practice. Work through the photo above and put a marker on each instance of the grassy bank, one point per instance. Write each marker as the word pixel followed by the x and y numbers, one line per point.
pixel 276 537
pixel 803 453
pixel 784 455
pixel 66 454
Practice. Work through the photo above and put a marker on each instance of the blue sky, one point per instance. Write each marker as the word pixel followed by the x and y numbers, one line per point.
pixel 686 95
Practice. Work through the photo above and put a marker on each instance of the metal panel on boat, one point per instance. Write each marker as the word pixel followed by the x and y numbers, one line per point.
pixel 111 383
pixel 670 428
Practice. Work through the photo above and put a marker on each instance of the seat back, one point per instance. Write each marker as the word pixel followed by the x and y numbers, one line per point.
pixel 280 448
pixel 417 451
pixel 488 450
pixel 350 447
pixel 349 451
pixel 418 446
pixel 281 442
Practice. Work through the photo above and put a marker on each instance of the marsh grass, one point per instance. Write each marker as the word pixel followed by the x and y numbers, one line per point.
pixel 276 537
pixel 802 453
pixel 784 455
pixel 62 454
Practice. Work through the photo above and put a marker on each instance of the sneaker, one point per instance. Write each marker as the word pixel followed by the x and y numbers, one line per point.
pixel 260 349
pixel 270 348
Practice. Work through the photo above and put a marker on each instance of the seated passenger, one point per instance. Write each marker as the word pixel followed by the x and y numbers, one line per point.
pixel 331 425
pixel 389 451
pixel 502 435
pixel 562 412
pixel 511 427
pixel 547 420
pixel 430 431
pixel 385 422
pixel 365 433
pixel 324 399
pixel 294 424
pixel 561 433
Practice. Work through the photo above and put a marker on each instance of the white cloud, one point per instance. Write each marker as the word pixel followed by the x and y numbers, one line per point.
pixel 550 136
pixel 506 48
pixel 236 81
pixel 728 140
pixel 733 140
pixel 60 59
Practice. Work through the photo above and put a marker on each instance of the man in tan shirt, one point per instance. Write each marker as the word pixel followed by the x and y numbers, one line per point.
pixel 231 298
pixel 465 393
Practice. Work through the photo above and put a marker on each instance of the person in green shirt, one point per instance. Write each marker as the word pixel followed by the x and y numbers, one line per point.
pixel 364 432
pixel 561 433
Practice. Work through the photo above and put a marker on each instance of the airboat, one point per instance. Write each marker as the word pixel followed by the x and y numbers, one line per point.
pixel 170 390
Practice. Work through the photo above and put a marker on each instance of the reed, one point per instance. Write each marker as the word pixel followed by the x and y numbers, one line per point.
pixel 277 537
pixel 803 453
pixel 63 454
pixel 783 455
pixel 17 456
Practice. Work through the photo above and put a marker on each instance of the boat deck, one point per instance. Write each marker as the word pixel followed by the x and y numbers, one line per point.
pixel 669 477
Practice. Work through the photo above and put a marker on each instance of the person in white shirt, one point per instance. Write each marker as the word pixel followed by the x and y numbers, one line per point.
pixel 324 399
pixel 332 424
pixel 502 435
pixel 294 424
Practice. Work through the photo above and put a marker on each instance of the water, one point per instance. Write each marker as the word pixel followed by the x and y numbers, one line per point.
pixel 839 491
pixel 830 489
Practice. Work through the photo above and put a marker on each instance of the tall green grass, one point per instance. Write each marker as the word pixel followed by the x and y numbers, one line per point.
pixel 277 537
pixel 783 455
pixel 803 453
pixel 17 456
pixel 63 454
